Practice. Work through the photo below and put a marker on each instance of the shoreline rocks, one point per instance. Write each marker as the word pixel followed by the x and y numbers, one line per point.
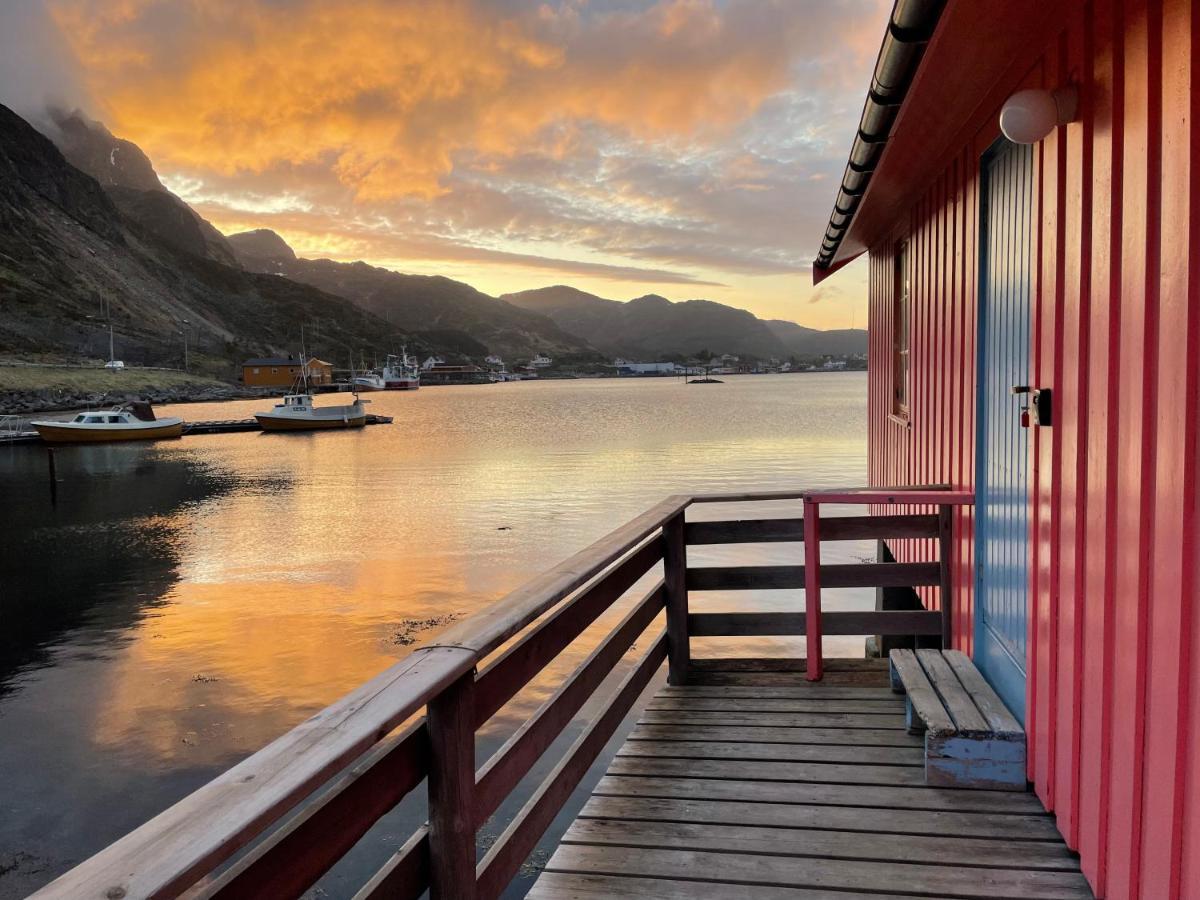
pixel 45 400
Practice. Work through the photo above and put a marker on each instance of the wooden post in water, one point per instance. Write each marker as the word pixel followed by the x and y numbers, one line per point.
pixel 451 722
pixel 675 582
pixel 945 584
pixel 53 476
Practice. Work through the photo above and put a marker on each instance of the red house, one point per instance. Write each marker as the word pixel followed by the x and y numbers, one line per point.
pixel 1066 264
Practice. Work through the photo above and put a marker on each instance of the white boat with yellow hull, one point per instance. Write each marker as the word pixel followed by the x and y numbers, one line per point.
pixel 135 422
pixel 296 412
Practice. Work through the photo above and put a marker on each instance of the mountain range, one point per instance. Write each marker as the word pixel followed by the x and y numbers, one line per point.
pixel 651 327
pixel 90 236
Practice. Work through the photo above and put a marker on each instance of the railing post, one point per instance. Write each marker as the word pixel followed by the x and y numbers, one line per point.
pixel 946 584
pixel 675 582
pixel 814 663
pixel 451 723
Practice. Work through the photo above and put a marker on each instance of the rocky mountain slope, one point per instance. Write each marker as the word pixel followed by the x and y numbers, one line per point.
pixel 422 304
pixel 128 176
pixel 71 261
pixel 650 327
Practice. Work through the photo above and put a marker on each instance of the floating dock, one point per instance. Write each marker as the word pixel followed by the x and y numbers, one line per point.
pixel 214 426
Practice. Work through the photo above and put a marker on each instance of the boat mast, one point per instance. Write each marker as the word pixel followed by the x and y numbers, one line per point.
pixel 303 363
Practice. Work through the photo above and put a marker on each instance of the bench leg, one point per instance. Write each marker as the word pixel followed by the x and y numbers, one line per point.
pixel 894 678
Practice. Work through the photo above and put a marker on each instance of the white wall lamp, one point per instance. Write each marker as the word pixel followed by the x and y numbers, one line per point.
pixel 1028 116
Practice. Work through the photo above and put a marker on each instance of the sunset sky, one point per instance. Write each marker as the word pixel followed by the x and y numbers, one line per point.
pixel 690 148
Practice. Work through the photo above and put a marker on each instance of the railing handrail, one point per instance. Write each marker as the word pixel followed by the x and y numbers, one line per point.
pixel 177 848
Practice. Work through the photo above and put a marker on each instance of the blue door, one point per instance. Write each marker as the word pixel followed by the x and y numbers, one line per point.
pixel 1002 444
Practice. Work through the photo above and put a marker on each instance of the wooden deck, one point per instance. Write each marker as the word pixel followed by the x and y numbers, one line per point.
pixel 767 787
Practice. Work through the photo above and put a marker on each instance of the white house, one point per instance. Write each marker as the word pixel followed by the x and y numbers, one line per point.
pixel 540 362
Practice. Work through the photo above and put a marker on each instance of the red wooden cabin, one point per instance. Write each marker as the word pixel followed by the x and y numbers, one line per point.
pixel 1067 264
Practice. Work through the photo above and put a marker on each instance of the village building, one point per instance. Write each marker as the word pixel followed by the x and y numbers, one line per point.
pixel 284 371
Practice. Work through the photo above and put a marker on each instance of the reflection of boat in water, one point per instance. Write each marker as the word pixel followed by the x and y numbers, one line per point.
pixel 371 381
pixel 132 422
pixel 400 373
pixel 296 412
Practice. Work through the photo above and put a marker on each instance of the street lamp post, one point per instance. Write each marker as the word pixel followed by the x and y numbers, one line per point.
pixel 186 325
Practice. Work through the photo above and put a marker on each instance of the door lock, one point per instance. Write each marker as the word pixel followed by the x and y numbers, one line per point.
pixel 1039 408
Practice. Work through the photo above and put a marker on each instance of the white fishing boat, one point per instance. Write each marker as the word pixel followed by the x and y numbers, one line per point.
pixel 400 373
pixel 131 422
pixel 297 412
pixel 370 381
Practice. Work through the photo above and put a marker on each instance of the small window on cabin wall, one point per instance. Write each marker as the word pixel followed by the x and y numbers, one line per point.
pixel 900 333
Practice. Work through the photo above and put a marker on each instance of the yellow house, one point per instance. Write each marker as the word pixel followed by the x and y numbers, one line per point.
pixel 284 371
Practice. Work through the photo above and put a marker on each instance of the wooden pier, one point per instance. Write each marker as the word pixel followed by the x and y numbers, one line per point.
pixel 743 778
pixel 764 789
pixel 215 426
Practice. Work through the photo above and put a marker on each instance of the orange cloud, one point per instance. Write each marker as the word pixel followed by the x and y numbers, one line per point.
pixel 387 93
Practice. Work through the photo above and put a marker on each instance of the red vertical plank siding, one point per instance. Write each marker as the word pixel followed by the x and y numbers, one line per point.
pixel 1103 368
pixel 1071 435
pixel 1187 765
pixel 1166 689
pixel 1128 659
pixel 1113 710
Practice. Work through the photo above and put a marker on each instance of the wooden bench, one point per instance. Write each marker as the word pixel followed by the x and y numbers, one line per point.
pixel 971 739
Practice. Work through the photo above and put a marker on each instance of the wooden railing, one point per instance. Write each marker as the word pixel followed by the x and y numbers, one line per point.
pixel 417 721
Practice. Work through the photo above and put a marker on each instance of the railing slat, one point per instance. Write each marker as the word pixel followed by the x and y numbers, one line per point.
pixel 675 578
pixel 833 528
pixel 292 858
pixel 405 876
pixel 512 762
pixel 747 624
pixel 521 836
pixel 503 677
pixel 721 578
pixel 451 723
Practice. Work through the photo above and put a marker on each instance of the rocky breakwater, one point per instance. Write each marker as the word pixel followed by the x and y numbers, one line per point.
pixel 41 400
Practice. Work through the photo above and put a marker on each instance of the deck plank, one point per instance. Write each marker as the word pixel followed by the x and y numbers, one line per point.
pixel 756 770
pixel 775 841
pixel 1026 828
pixel 767 789
pixel 807 872
pixel 777 720
pixel 853 737
pixel 768 691
pixel 897 798
pixel 788 705
pixel 574 886
pixel 820 753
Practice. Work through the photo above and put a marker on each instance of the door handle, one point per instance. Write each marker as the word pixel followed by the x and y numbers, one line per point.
pixel 1040 409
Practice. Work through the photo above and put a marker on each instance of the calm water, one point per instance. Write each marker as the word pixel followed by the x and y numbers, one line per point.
pixel 188 601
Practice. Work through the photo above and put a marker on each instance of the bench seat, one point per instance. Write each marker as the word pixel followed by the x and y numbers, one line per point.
pixel 971 739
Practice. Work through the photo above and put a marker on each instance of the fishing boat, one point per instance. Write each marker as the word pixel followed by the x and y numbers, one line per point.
pixel 130 422
pixel 297 412
pixel 400 373
pixel 370 381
